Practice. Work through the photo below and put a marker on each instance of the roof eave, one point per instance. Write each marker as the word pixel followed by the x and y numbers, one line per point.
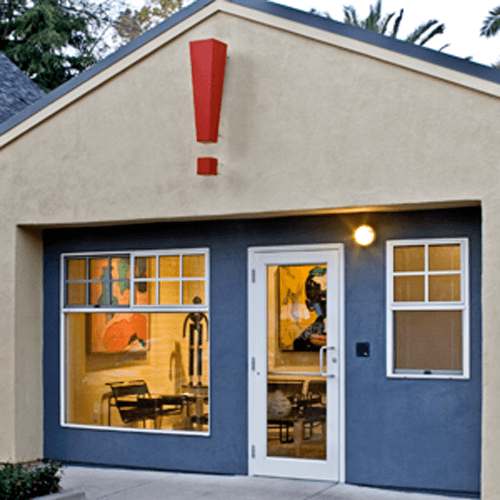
pixel 450 68
pixel 102 65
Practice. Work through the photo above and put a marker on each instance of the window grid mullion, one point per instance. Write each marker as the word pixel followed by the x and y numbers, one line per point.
pixel 181 278
pixel 426 270
pixel 132 279
pixel 157 280
pixel 414 273
pixel 439 273
pixel 87 286
pixel 464 280
pixel 408 273
pixel 441 306
pixel 108 281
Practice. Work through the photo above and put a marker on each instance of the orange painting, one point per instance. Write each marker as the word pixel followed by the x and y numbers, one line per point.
pixel 116 332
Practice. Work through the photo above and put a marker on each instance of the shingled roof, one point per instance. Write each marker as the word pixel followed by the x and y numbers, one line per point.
pixel 16 90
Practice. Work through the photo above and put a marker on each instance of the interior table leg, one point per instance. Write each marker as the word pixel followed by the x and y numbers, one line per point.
pixel 298 429
pixel 188 425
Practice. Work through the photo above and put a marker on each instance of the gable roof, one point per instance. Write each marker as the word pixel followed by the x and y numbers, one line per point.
pixel 312 25
pixel 16 90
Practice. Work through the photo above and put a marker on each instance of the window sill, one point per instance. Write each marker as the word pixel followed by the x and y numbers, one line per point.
pixel 170 432
pixel 428 376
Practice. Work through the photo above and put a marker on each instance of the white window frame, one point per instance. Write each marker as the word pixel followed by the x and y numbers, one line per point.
pixel 461 305
pixel 138 308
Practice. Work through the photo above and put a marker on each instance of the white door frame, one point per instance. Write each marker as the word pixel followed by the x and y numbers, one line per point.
pixel 253 252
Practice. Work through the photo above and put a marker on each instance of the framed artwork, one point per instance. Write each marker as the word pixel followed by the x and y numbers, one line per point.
pixel 302 298
pixel 112 333
pixel 116 332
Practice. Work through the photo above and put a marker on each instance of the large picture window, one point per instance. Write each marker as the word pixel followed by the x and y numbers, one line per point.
pixel 136 341
pixel 428 308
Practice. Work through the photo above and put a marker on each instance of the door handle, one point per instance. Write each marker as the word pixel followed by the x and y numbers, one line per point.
pixel 324 350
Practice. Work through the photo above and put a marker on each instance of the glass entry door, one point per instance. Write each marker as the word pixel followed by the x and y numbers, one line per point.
pixel 295 325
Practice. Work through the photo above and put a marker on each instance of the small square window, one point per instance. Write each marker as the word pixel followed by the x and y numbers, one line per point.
pixel 444 258
pixel 170 292
pixel 409 258
pixel 409 288
pixel 145 267
pixel 193 266
pixel 170 266
pixel 76 294
pixel 76 269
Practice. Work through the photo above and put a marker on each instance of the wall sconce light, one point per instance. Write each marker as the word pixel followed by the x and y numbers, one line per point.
pixel 364 235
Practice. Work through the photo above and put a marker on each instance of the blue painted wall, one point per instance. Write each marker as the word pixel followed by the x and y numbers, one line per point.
pixel 401 433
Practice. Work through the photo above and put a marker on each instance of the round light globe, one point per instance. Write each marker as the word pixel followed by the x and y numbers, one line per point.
pixel 364 235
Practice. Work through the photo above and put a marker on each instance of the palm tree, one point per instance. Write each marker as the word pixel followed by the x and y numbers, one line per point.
pixel 375 22
pixel 491 24
pixel 490 27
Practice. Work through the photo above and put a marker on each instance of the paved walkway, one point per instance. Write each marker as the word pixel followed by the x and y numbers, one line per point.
pixel 124 484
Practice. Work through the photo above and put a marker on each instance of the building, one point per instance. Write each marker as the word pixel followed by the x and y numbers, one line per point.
pixel 16 91
pixel 199 303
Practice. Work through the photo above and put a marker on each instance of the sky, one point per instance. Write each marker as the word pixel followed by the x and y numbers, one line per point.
pixel 463 20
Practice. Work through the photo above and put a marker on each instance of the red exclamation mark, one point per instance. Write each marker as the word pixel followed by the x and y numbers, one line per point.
pixel 208 64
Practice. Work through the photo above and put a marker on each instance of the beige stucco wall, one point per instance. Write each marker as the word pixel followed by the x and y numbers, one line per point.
pixel 28 344
pixel 7 346
pixel 21 344
pixel 298 117
pixel 490 480
pixel 305 126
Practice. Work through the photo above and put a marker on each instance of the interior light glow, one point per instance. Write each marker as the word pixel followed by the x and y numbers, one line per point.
pixel 364 235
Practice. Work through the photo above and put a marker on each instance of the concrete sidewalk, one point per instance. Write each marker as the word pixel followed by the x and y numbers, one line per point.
pixel 125 484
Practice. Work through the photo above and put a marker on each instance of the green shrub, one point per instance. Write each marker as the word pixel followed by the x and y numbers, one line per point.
pixel 26 481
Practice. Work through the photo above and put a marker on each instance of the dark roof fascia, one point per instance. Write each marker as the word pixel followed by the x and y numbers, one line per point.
pixel 122 52
pixel 373 38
